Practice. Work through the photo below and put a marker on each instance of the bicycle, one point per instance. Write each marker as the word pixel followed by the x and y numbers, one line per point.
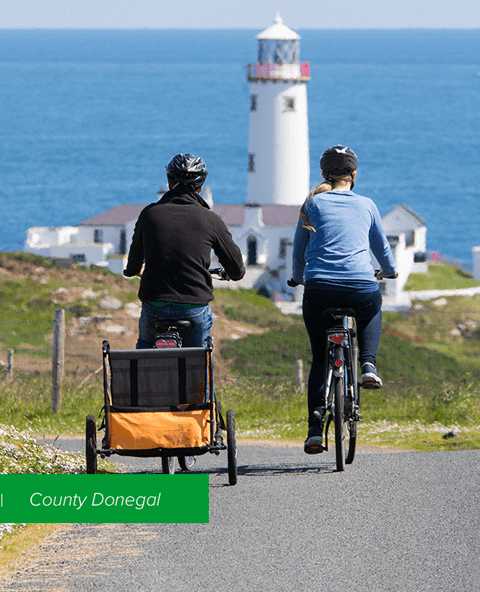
pixel 342 389
pixel 170 335
pixel 342 394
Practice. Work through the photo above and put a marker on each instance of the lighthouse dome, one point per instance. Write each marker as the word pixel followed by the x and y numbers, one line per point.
pixel 278 31
pixel 278 44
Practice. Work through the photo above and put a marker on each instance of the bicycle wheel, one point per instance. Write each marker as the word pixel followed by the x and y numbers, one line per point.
pixel 350 441
pixel 168 465
pixel 231 448
pixel 339 420
pixel 91 445
pixel 350 429
pixel 350 410
pixel 187 462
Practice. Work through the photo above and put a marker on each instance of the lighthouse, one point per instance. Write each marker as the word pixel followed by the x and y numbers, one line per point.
pixel 278 153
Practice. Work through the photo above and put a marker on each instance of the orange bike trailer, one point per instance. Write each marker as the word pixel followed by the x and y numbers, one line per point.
pixel 161 402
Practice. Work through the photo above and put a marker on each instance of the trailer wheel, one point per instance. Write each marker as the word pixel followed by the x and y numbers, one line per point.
pixel 231 448
pixel 91 445
pixel 187 462
pixel 168 465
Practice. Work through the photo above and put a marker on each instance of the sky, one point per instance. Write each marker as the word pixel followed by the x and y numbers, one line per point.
pixel 249 14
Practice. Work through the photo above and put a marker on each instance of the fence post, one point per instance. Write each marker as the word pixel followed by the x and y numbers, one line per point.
pixel 58 359
pixel 10 364
pixel 300 379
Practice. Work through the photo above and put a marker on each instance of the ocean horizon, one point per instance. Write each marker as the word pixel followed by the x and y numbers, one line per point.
pixel 90 118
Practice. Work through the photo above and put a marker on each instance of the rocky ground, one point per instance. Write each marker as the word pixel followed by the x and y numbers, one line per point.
pixel 101 298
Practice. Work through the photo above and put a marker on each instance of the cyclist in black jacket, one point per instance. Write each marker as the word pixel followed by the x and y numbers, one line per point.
pixel 174 238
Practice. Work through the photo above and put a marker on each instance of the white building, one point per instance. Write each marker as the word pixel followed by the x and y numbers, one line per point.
pixel 91 242
pixel 407 234
pixel 476 262
pixel 263 233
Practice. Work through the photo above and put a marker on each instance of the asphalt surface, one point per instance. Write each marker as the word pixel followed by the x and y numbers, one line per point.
pixel 390 522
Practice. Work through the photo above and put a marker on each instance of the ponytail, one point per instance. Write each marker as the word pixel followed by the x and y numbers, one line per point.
pixel 331 181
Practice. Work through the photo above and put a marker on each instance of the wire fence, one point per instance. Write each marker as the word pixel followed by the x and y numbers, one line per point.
pixel 426 342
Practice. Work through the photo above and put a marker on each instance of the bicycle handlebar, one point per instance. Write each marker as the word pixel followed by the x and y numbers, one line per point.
pixel 378 274
pixel 220 272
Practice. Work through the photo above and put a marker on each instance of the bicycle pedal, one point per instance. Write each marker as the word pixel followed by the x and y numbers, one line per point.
pixel 371 385
pixel 314 449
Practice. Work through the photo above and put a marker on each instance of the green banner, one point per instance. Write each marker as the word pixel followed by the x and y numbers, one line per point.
pixel 104 498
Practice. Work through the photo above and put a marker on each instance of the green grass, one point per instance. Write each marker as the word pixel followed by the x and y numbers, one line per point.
pixel 431 376
pixel 28 258
pixel 26 306
pixel 247 306
pixel 26 403
pixel 453 329
pixel 441 276
pixel 269 355
pixel 422 382
pixel 269 411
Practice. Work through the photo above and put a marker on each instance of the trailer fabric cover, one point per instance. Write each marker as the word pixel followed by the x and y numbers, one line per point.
pixel 165 429
pixel 159 378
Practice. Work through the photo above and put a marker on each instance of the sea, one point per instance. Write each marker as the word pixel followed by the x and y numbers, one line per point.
pixel 90 118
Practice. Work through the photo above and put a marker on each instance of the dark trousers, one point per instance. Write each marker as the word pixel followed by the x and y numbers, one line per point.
pixel 368 307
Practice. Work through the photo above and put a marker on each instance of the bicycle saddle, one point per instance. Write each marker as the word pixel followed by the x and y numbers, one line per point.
pixel 339 312
pixel 180 325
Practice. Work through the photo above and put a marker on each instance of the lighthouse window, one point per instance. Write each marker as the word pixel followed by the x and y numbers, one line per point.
pixel 251 163
pixel 289 104
pixel 253 102
pixel 98 235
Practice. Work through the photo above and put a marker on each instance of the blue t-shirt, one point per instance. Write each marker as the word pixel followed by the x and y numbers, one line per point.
pixel 346 226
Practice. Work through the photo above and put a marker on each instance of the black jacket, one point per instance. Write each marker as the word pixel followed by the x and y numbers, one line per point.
pixel 174 238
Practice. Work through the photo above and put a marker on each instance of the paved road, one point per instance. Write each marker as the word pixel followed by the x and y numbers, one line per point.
pixel 391 522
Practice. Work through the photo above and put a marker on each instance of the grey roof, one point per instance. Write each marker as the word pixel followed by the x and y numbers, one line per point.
pixel 272 215
pixel 408 210
pixel 232 215
pixel 117 216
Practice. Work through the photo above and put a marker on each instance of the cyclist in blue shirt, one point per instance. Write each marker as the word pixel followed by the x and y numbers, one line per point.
pixel 336 230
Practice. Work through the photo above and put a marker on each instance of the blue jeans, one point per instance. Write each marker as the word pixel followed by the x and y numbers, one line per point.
pixel 368 307
pixel 201 318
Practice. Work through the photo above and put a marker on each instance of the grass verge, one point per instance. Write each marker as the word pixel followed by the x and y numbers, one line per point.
pixel 441 276
pixel 269 411
pixel 26 403
pixel 16 547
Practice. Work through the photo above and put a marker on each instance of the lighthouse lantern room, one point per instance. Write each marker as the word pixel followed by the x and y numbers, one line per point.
pixel 278 159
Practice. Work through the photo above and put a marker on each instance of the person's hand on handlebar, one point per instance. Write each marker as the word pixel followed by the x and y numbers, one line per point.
pixel 220 273
pixel 138 275
pixel 293 284
pixel 381 276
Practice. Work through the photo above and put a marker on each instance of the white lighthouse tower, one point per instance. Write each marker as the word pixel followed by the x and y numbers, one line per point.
pixel 278 159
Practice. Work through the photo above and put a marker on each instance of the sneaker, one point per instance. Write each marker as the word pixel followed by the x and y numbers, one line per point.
pixel 314 441
pixel 370 377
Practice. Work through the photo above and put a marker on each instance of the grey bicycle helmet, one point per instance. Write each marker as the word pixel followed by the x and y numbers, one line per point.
pixel 187 169
pixel 338 160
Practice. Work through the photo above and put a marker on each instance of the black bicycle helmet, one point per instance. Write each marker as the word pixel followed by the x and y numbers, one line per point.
pixel 187 169
pixel 339 160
